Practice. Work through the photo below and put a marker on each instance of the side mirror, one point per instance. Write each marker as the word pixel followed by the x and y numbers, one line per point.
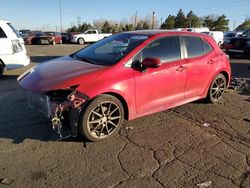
pixel 240 35
pixel 151 63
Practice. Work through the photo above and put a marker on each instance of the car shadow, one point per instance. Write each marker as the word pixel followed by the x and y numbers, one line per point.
pixel 19 122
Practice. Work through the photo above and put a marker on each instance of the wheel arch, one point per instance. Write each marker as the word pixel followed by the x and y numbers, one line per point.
pixel 1 61
pixel 123 101
pixel 226 75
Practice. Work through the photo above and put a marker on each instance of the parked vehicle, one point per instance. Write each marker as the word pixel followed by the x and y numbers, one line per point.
pixel 50 37
pixel 12 50
pixel 89 36
pixel 238 45
pixel 198 29
pixel 65 37
pixel 127 75
pixel 218 36
pixel 24 32
pixel 33 37
pixel 232 34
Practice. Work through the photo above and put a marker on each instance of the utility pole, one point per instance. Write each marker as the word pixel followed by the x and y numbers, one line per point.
pixel 153 20
pixel 60 6
pixel 234 25
pixel 135 21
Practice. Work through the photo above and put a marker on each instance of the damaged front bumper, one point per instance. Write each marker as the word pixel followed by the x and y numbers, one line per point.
pixel 54 107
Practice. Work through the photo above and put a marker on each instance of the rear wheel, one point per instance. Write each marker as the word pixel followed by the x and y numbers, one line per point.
pixel 217 88
pixel 1 69
pixel 102 118
pixel 81 41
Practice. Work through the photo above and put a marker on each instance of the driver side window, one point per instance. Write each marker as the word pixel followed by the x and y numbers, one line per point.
pixel 166 49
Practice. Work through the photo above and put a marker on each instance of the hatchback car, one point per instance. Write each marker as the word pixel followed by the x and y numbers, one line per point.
pixel 126 76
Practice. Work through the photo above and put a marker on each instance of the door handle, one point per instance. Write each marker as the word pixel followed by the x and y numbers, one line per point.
pixel 211 62
pixel 181 68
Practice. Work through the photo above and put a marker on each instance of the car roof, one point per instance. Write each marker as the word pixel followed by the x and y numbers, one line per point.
pixel 155 32
pixel 4 21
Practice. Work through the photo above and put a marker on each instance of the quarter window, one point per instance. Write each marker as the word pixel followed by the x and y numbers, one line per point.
pixel 2 33
pixel 194 46
pixel 166 49
pixel 207 47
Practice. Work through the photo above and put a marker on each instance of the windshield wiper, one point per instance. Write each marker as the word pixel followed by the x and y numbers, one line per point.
pixel 83 59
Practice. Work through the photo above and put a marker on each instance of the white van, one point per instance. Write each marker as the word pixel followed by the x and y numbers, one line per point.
pixel 198 29
pixel 217 35
pixel 12 50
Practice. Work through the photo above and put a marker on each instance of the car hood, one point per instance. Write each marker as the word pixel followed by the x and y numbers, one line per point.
pixel 59 73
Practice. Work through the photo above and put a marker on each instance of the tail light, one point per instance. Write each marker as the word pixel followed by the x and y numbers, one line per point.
pixel 16 46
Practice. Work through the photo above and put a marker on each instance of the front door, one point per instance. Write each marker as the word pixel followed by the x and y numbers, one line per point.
pixel 158 88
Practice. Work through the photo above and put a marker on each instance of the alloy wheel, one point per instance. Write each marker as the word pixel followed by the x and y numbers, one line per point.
pixel 218 88
pixel 103 120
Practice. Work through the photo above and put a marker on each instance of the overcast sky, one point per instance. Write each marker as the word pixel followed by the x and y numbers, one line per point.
pixel 44 14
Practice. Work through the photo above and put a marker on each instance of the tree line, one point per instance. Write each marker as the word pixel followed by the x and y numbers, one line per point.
pixel 180 20
pixel 216 23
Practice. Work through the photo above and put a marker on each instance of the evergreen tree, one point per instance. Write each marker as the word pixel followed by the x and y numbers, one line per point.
pixel 221 24
pixel 180 19
pixel 106 27
pixel 169 22
pixel 244 26
pixel 192 20
pixel 209 22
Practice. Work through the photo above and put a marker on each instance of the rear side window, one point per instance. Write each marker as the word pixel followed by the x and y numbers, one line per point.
pixel 207 47
pixel 194 46
pixel 14 30
pixel 2 33
pixel 166 49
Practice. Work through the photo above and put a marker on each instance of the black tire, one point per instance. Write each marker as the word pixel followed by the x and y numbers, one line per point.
pixel 81 41
pixel 1 69
pixel 100 119
pixel 217 88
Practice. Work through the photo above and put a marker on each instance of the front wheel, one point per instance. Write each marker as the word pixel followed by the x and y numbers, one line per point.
pixel 102 118
pixel 217 88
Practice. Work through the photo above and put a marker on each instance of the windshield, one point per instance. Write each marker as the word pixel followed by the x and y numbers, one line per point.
pixel 110 50
pixel 230 35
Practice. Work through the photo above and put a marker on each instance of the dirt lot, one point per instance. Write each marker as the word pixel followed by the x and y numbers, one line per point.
pixel 173 148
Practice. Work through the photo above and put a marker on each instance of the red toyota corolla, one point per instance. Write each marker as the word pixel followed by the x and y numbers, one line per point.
pixel 127 75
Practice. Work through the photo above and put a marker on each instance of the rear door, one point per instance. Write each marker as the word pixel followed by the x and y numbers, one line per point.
pixel 201 63
pixel 158 88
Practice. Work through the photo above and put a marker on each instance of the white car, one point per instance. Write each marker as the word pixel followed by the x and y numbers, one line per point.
pixel 12 50
pixel 217 35
pixel 89 36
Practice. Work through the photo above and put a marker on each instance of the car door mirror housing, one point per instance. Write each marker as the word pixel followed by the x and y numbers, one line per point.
pixel 151 63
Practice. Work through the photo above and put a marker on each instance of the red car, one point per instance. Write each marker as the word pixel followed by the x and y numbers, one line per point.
pixel 126 76
pixel 50 37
